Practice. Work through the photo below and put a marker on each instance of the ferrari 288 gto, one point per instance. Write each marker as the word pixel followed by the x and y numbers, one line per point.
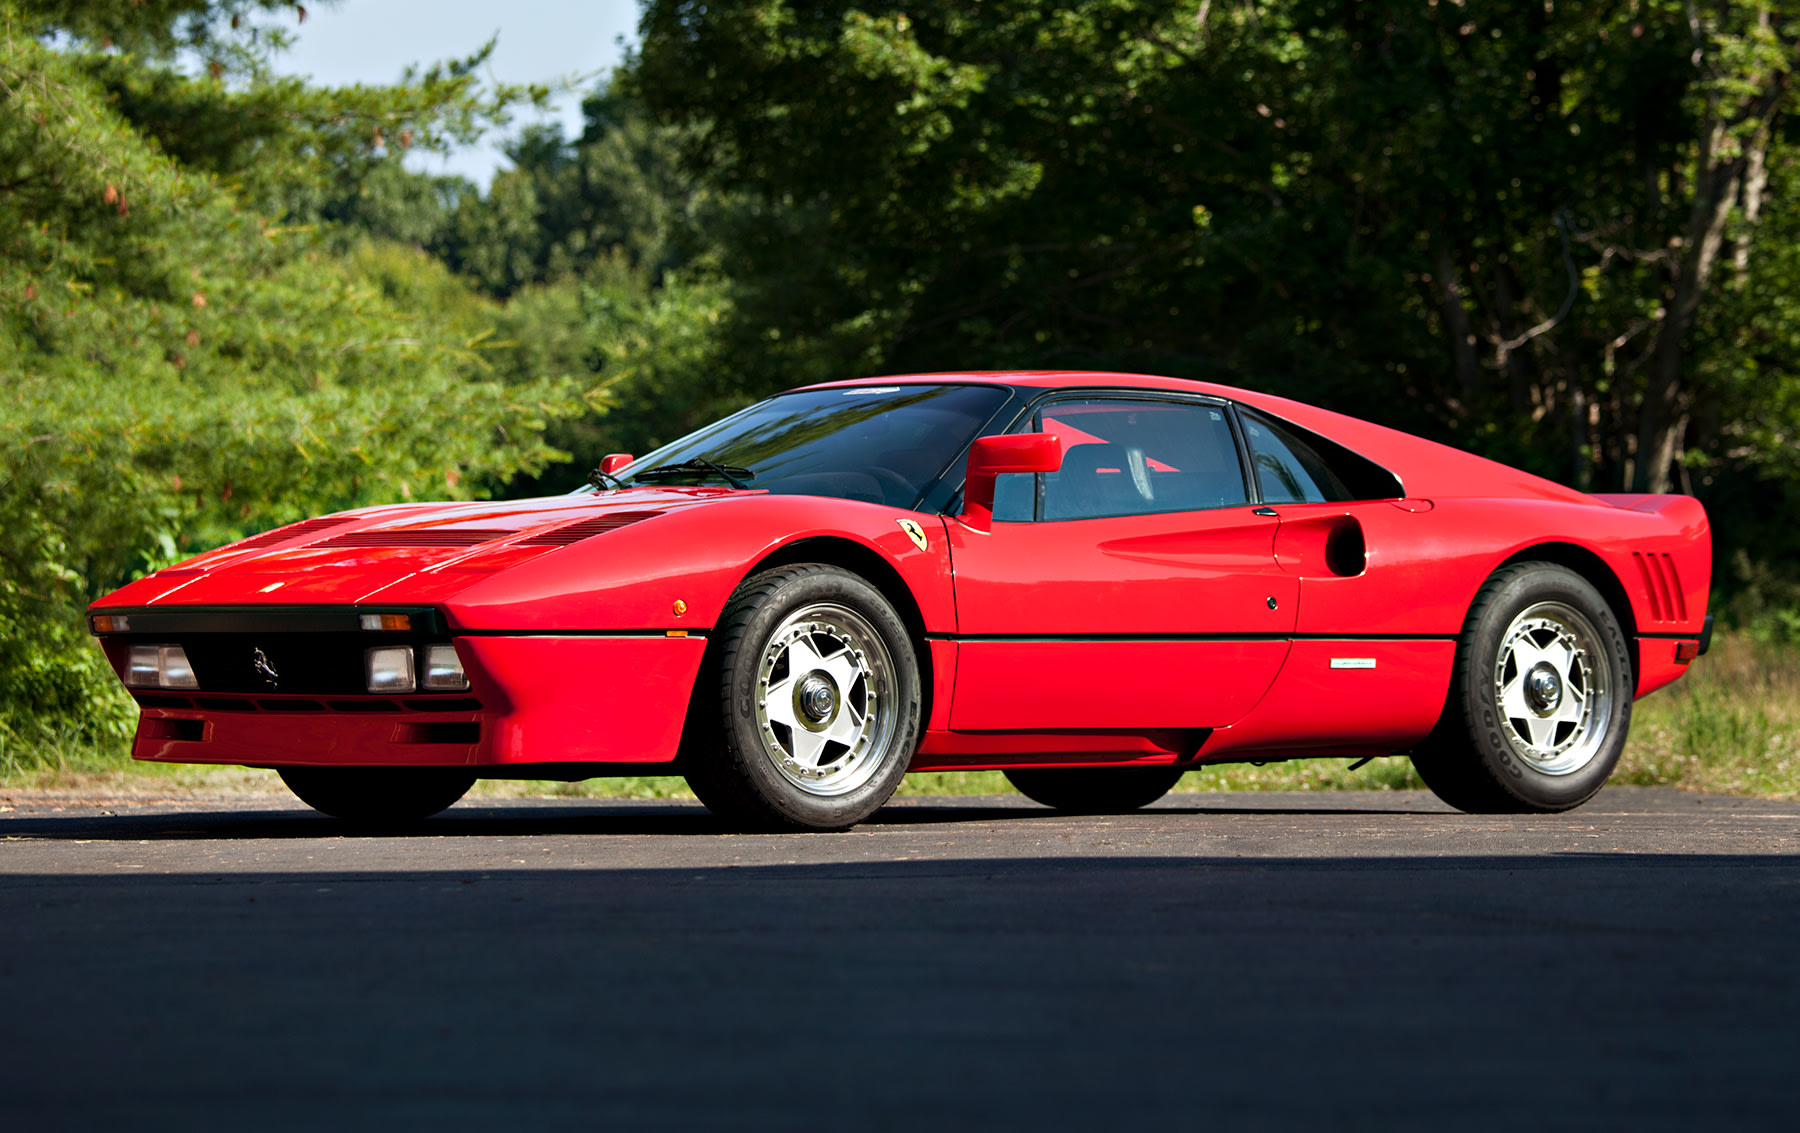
pixel 1093 582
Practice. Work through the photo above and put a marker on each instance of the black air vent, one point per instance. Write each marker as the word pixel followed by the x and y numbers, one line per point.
pixel 292 531
pixel 586 528
pixel 466 537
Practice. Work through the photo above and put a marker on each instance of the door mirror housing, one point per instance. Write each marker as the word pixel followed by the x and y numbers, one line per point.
pixel 992 457
pixel 613 461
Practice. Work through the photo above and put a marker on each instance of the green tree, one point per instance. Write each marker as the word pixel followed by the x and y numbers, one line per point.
pixel 1509 222
pixel 182 367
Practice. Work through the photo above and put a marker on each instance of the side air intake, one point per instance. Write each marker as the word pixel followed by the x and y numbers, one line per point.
pixel 585 528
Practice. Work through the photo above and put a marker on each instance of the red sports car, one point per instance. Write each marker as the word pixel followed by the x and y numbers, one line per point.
pixel 1091 581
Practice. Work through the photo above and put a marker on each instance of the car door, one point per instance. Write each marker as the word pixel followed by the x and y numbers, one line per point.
pixel 1137 587
pixel 1378 608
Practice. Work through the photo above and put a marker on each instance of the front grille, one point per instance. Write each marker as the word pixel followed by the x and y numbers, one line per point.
pixel 302 704
pixel 311 665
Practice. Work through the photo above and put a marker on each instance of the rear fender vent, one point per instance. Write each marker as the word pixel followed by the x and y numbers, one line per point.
pixel 585 528
pixel 292 531
pixel 465 537
pixel 1662 586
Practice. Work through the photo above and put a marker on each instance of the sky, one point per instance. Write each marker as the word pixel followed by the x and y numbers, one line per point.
pixel 372 41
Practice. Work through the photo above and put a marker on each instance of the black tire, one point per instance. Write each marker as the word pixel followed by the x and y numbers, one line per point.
pixel 812 714
pixel 1540 697
pixel 1094 790
pixel 378 796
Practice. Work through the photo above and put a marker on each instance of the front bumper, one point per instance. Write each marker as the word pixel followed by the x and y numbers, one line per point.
pixel 535 699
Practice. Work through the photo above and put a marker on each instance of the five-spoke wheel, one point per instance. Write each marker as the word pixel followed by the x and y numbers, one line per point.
pixel 818 708
pixel 1540 696
pixel 1094 790
pixel 378 796
pixel 819 700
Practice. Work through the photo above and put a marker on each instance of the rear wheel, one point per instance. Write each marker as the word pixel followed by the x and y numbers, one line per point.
pixel 378 795
pixel 1094 790
pixel 816 713
pixel 1540 697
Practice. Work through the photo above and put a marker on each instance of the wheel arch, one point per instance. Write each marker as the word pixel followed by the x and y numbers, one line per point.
pixel 867 564
pixel 1594 569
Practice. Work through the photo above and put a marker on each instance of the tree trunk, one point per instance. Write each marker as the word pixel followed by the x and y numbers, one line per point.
pixel 1666 400
pixel 1518 381
pixel 1456 324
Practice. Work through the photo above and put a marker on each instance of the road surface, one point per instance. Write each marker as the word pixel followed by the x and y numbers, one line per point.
pixel 1349 960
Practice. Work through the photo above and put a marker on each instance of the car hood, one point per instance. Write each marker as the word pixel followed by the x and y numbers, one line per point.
pixel 354 556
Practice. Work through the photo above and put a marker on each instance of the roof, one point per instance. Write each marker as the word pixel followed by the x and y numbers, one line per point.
pixel 1426 468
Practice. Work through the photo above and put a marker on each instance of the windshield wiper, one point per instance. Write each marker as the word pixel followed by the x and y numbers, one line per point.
pixel 605 480
pixel 730 473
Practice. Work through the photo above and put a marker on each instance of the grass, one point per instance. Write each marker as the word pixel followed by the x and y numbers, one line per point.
pixel 1731 726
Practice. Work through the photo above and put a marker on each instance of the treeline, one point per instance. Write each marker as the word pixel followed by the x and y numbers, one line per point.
pixel 1559 234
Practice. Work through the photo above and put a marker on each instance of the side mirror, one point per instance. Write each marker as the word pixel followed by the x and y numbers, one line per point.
pixel 991 457
pixel 613 461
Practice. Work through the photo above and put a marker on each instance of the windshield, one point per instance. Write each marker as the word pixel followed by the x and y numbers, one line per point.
pixel 882 444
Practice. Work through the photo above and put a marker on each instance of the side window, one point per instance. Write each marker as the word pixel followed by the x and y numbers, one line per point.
pixel 1294 466
pixel 1129 457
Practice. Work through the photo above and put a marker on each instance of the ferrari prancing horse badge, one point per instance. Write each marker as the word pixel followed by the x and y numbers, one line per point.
pixel 913 532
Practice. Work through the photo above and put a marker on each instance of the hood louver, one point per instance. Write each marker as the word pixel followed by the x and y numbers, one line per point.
pixel 585 528
pixel 467 537
pixel 292 531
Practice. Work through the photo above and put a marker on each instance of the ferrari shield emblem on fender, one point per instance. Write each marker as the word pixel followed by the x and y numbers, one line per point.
pixel 913 532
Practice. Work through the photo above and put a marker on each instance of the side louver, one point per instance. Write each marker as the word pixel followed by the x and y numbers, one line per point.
pixel 292 531
pixel 466 537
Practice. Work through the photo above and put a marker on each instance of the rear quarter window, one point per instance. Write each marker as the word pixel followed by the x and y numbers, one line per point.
pixel 1297 466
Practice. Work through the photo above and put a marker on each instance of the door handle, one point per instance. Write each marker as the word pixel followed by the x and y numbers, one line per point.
pixel 1269 511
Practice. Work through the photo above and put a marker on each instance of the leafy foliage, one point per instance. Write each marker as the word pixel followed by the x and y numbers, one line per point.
pixel 1559 235
pixel 182 369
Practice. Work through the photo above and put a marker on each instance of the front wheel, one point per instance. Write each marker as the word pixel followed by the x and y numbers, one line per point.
pixel 1540 697
pixel 378 796
pixel 817 706
pixel 1094 790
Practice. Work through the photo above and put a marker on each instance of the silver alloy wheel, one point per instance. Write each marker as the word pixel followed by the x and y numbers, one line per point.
pixel 1553 684
pixel 824 687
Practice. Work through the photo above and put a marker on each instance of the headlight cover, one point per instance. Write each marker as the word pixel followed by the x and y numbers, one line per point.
pixel 389 668
pixel 159 666
pixel 443 669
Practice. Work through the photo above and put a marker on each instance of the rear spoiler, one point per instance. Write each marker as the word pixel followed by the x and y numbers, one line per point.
pixel 1679 510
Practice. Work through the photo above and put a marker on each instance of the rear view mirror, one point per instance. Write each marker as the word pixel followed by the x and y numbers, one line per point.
pixel 613 461
pixel 991 457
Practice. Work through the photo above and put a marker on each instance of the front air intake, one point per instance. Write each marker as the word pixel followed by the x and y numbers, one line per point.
pixel 585 528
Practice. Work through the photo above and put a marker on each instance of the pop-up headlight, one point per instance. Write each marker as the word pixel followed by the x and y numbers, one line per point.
pixel 390 668
pixel 443 669
pixel 159 666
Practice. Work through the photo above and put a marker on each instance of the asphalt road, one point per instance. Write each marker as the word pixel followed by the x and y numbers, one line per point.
pixel 1219 961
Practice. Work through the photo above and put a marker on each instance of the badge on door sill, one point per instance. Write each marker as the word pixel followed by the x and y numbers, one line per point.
pixel 1353 662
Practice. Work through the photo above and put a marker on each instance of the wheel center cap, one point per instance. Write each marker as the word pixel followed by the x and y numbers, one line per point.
pixel 1543 687
pixel 816 697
